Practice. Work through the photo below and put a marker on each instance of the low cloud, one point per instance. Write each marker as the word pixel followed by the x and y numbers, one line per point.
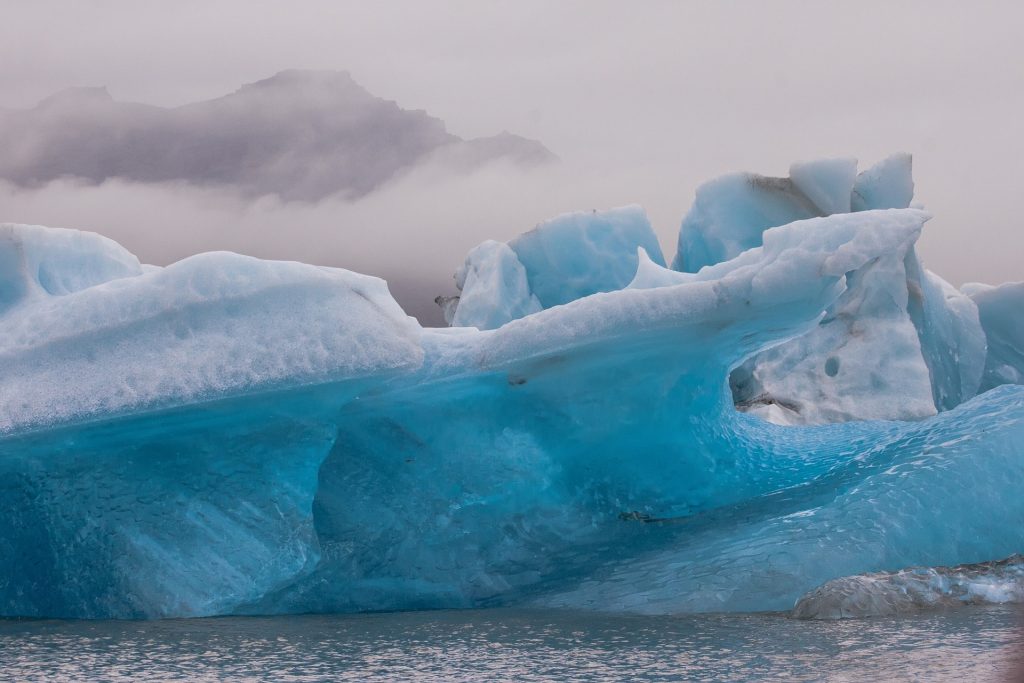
pixel 413 231
pixel 416 228
pixel 299 136
pixel 309 166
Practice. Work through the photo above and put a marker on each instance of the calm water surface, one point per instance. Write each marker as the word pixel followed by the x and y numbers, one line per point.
pixel 971 644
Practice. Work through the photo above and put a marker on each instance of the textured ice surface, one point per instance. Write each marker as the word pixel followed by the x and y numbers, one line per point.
pixel 730 213
pixel 561 260
pixel 870 496
pixel 899 344
pixel 233 436
pixel 917 588
pixel 828 183
pixel 953 343
pixel 37 261
pixel 494 288
pixel 863 360
pixel 889 184
pixel 582 253
pixel 1001 310
pixel 207 327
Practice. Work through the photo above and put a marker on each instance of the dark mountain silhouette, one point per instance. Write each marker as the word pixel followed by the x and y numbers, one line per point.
pixel 302 135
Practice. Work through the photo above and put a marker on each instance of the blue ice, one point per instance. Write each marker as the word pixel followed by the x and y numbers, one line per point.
pixel 227 435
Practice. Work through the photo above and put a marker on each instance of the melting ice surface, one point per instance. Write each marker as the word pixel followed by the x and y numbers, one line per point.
pixel 907 590
pixel 234 436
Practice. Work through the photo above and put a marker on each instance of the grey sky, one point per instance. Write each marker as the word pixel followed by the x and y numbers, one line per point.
pixel 641 101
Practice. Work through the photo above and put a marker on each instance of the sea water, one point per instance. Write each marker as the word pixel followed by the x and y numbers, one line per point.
pixel 969 644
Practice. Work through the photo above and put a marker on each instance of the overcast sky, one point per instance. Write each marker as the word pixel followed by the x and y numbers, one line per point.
pixel 641 101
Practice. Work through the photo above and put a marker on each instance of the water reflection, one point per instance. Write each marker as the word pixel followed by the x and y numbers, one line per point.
pixel 966 644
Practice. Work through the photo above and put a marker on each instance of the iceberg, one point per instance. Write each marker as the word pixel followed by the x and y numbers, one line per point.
pixel 227 435
pixel 494 288
pixel 889 184
pixel 37 261
pixel 862 361
pixel 730 214
pixel 211 325
pixel 922 351
pixel 561 260
pixel 918 588
pixel 1000 311
pixel 901 343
